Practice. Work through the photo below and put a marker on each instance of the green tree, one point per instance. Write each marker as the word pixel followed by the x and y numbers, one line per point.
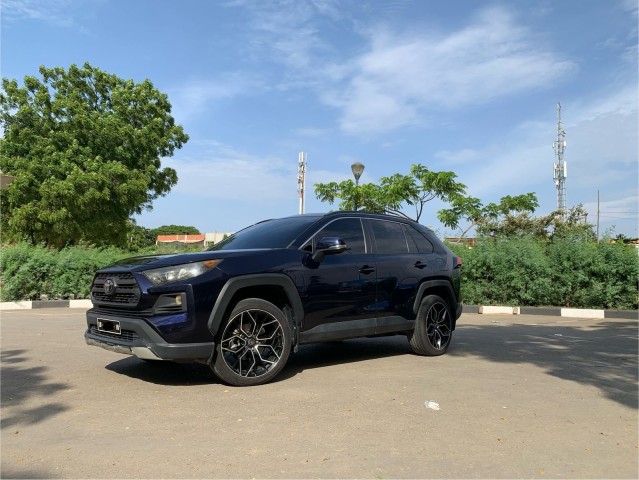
pixel 85 147
pixel 394 193
pixel 572 223
pixel 475 214
pixel 175 230
pixel 138 237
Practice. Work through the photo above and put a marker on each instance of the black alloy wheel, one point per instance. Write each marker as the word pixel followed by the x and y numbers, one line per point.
pixel 433 327
pixel 254 344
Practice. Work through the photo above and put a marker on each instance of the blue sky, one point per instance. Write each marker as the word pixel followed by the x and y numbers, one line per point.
pixel 460 85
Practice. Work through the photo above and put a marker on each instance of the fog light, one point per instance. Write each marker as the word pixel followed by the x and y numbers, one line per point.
pixel 170 303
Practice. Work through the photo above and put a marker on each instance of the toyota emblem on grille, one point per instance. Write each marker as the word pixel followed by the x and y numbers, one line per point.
pixel 109 286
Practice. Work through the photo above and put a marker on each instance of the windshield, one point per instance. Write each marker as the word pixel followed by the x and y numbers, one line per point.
pixel 277 233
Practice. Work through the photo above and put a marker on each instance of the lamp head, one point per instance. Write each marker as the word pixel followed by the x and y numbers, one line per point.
pixel 357 168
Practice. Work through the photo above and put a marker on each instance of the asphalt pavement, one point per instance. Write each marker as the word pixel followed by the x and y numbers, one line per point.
pixel 515 397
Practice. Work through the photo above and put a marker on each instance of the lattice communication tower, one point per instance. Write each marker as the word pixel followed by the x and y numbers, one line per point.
pixel 301 179
pixel 560 168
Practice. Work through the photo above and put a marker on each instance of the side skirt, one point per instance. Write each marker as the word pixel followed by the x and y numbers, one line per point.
pixel 356 328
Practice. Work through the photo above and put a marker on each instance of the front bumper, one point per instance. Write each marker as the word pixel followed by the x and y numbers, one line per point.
pixel 136 337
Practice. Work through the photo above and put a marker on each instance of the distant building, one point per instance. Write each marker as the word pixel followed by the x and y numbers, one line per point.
pixel 182 240
pixel 177 240
pixel 216 237
pixel 469 242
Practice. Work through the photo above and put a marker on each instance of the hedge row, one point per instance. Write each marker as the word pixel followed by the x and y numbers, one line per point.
pixel 566 272
pixel 30 272
pixel 516 271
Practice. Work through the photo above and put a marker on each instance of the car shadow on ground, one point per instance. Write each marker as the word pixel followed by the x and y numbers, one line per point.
pixel 163 373
pixel 326 354
pixel 603 355
pixel 308 357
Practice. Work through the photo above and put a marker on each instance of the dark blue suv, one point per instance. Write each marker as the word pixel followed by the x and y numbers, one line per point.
pixel 242 306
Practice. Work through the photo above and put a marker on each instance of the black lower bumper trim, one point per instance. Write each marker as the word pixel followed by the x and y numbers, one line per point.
pixel 144 337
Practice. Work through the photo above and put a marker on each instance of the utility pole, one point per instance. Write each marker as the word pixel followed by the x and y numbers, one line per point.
pixel 560 168
pixel 301 179
pixel 597 216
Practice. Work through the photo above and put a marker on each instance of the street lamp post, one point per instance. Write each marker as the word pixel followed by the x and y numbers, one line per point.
pixel 357 169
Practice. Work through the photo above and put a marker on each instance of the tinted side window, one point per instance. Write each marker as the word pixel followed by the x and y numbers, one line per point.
pixel 389 237
pixel 348 229
pixel 420 241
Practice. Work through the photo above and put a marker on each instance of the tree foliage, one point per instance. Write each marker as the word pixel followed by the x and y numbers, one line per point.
pixel 85 147
pixel 484 217
pixel 394 193
pixel 175 230
pixel 138 237
pixel 557 224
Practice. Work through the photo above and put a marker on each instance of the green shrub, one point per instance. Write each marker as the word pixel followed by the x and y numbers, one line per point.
pixel 30 272
pixel 27 272
pixel 76 266
pixel 564 272
pixel 505 272
pixel 591 275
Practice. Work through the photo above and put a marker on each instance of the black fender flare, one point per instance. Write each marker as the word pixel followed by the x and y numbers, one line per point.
pixel 237 283
pixel 433 284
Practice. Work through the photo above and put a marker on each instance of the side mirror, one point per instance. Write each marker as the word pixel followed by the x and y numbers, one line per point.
pixel 328 246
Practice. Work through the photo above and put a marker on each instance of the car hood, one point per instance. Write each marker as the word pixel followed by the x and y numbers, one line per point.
pixel 148 262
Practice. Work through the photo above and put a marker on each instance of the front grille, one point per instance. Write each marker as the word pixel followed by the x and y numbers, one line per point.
pixel 126 335
pixel 126 291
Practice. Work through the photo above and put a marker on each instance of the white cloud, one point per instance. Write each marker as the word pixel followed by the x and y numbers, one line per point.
pixel 403 75
pixel 465 155
pixel 285 29
pixel 195 96
pixel 224 173
pixel 311 132
pixel 54 12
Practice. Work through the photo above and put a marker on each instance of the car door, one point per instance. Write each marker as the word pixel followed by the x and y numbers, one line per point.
pixel 403 257
pixel 340 290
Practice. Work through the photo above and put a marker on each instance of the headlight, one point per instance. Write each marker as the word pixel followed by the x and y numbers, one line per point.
pixel 160 276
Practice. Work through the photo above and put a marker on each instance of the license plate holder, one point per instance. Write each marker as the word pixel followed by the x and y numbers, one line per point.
pixel 109 326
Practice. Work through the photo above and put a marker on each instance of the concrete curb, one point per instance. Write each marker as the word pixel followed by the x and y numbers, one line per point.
pixel 552 311
pixel 34 304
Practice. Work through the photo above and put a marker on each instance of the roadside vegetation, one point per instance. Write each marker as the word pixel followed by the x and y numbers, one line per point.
pixel 38 272
pixel 522 271
pixel 564 272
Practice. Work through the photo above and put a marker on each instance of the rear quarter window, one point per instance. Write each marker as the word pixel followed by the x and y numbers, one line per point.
pixel 419 242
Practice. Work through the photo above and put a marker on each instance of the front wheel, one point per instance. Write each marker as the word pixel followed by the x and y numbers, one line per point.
pixel 254 344
pixel 433 327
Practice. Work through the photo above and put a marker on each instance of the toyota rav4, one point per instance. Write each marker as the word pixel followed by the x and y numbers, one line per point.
pixel 246 303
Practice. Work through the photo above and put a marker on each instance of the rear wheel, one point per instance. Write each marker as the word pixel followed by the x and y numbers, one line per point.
pixel 433 327
pixel 254 344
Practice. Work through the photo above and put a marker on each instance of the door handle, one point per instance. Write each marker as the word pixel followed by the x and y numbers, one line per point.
pixel 366 270
pixel 419 264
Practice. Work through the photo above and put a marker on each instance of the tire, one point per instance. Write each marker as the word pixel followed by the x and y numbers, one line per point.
pixel 433 327
pixel 254 344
